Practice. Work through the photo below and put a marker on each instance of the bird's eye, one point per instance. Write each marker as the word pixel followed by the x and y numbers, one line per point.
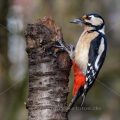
pixel 88 18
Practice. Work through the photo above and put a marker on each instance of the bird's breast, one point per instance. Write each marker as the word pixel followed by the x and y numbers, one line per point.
pixel 82 49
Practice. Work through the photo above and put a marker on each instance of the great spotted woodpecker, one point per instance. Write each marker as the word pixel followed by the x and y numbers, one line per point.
pixel 89 54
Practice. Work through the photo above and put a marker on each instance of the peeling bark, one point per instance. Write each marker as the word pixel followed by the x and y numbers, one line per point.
pixel 48 75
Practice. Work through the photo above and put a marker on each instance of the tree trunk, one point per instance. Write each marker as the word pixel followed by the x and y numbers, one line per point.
pixel 48 74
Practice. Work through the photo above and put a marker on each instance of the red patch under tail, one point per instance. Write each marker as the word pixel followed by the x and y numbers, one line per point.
pixel 79 78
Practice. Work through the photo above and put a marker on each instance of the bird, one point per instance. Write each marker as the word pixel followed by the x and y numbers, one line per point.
pixel 88 56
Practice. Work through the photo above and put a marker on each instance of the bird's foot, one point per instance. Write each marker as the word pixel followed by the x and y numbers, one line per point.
pixel 53 49
pixel 68 48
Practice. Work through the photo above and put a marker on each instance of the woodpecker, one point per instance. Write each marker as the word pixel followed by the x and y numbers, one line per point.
pixel 88 55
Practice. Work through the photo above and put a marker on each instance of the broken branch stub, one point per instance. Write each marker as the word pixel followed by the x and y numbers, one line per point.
pixel 48 75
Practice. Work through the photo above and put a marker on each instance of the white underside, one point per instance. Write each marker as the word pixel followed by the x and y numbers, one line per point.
pixel 81 54
pixel 82 49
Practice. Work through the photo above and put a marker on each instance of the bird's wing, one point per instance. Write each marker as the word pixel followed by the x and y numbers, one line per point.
pixel 97 54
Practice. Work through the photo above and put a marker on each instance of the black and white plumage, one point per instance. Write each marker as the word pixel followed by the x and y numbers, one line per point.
pixel 89 53
pixel 97 54
pixel 91 49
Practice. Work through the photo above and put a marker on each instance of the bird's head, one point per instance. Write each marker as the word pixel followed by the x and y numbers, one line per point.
pixel 90 21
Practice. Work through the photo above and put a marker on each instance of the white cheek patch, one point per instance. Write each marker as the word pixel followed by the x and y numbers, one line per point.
pixel 95 20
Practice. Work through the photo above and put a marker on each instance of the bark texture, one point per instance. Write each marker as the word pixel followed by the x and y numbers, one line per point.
pixel 48 75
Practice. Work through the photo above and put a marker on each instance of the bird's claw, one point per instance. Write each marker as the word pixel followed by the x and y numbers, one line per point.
pixel 68 48
pixel 62 46
pixel 58 46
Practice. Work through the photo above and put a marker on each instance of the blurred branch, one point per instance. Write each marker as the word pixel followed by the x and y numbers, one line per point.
pixel 4 62
pixel 48 75
pixel 3 37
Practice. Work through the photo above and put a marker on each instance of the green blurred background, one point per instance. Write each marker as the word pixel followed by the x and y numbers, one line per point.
pixel 103 100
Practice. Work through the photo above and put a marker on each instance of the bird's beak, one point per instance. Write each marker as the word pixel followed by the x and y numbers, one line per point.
pixel 78 21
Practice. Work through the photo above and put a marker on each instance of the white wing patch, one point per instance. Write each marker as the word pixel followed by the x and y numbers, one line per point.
pixel 100 51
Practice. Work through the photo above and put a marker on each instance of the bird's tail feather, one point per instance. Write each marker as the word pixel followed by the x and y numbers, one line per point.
pixel 83 99
pixel 74 99
pixel 71 104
